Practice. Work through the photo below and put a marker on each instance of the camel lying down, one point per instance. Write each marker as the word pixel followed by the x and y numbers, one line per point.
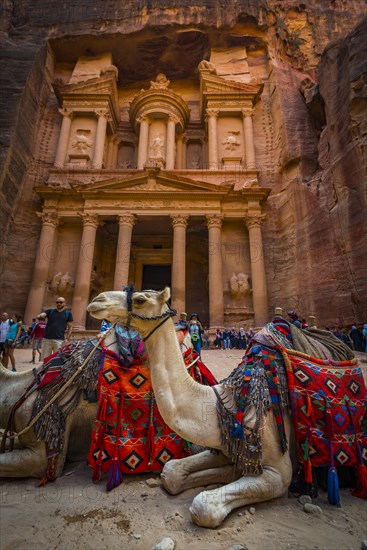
pixel 191 411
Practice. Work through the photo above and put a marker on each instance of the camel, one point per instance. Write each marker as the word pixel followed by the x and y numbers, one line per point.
pixel 28 458
pixel 190 410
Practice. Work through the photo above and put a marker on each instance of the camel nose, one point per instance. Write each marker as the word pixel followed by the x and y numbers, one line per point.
pixel 99 298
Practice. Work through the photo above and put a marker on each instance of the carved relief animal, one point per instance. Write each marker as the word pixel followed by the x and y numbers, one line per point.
pixel 190 410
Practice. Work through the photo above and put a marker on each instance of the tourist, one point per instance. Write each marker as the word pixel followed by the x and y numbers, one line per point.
pixel 294 319
pixel 37 336
pixel 196 330
pixel 105 325
pixel 364 334
pixel 218 339
pixel 4 329
pixel 58 328
pixel 11 341
pixel 233 336
pixel 357 338
pixel 182 323
pixel 226 339
pixel 206 338
pixel 241 338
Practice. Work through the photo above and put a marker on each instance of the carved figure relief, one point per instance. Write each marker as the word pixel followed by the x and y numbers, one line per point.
pixel 157 147
pixel 231 143
pixel 207 66
pixel 81 143
pixel 160 83
pixel 194 156
pixel 240 285
pixel 62 284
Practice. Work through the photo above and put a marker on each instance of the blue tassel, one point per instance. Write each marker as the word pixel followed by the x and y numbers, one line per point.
pixel 114 474
pixel 333 487
pixel 237 430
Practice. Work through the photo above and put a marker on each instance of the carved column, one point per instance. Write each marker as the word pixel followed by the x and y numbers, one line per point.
pixel 215 271
pixel 179 224
pixel 249 139
pixel 259 290
pixel 100 138
pixel 84 269
pixel 184 152
pixel 126 223
pixel 143 142
pixel 179 152
pixel 170 146
pixel 115 151
pixel 44 256
pixel 62 146
pixel 212 115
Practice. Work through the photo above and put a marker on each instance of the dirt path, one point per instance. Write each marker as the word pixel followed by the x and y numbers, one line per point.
pixel 74 513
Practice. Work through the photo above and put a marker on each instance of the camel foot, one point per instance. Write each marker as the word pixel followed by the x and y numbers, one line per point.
pixel 173 479
pixel 208 510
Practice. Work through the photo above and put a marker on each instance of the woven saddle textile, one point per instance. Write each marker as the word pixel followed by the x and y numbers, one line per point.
pixel 128 426
pixel 328 403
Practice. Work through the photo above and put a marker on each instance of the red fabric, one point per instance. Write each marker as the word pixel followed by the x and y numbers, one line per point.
pixel 145 443
pixel 328 401
pixel 39 330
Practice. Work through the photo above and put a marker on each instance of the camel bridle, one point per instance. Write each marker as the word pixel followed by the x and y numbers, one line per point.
pixel 163 317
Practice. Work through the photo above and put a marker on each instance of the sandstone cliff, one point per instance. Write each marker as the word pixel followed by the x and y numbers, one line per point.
pixel 311 137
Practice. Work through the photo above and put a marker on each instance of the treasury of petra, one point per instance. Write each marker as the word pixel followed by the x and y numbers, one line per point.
pixel 221 154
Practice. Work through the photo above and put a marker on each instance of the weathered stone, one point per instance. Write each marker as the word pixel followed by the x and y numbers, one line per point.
pixel 304 499
pixel 153 482
pixel 165 544
pixel 312 509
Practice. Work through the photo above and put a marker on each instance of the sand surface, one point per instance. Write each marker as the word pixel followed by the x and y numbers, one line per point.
pixel 74 513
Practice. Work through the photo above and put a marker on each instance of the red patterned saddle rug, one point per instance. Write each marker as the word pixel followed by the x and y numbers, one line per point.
pixel 328 403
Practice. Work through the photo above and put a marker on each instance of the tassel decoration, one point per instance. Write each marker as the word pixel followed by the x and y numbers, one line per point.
pixel 237 429
pixel 150 438
pixel 333 487
pixel 115 476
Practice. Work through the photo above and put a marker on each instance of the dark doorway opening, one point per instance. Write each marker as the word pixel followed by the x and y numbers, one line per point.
pixel 156 277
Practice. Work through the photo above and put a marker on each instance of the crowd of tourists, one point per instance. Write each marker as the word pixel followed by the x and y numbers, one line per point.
pixel 52 328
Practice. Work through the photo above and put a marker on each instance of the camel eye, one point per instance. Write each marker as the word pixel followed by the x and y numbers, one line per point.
pixel 140 301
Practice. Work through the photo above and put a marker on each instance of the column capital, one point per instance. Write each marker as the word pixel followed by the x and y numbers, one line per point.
pixel 115 140
pixel 101 112
pixel 173 118
pixel 142 118
pixel 89 218
pixel 49 218
pixel 179 220
pixel 212 112
pixel 214 220
pixel 66 112
pixel 126 219
pixel 254 221
pixel 248 111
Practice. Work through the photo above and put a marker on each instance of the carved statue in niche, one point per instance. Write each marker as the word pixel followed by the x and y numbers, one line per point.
pixel 231 143
pixel 207 66
pixel 160 83
pixel 240 285
pixel 62 284
pixel 157 147
pixel 194 156
pixel 81 143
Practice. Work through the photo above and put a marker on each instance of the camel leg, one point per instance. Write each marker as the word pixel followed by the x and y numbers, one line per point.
pixel 197 470
pixel 27 462
pixel 210 508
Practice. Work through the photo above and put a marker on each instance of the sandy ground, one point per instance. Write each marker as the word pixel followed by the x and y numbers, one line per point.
pixel 74 513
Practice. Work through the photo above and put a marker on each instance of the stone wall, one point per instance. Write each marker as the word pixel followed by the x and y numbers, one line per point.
pixel 311 142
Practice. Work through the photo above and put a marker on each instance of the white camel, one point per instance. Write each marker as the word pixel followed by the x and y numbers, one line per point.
pixel 29 458
pixel 190 410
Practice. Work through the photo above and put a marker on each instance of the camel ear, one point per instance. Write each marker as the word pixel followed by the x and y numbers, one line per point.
pixel 165 295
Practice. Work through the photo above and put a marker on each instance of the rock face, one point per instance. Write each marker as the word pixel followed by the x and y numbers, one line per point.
pixel 309 127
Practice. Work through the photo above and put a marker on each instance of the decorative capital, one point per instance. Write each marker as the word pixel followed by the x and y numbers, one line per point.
pixel 126 219
pixel 66 112
pixel 254 221
pixel 247 112
pixel 89 218
pixel 101 112
pixel 173 118
pixel 142 118
pixel 179 220
pixel 214 220
pixel 49 218
pixel 212 112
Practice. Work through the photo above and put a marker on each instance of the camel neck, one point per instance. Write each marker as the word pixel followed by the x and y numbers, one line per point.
pixel 186 406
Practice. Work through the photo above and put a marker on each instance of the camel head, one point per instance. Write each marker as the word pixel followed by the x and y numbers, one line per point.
pixel 148 308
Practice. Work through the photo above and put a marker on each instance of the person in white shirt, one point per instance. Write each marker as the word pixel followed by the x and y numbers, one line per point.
pixel 4 329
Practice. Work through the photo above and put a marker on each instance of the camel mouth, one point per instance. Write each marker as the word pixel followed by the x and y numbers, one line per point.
pixel 95 308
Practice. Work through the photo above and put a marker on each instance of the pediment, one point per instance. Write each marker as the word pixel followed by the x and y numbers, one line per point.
pixel 151 182
pixel 214 84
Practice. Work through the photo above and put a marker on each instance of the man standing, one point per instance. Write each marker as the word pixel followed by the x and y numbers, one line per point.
pixel 4 329
pixel 58 328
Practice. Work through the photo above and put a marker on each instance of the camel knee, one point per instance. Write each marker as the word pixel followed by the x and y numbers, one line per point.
pixel 208 509
pixel 173 477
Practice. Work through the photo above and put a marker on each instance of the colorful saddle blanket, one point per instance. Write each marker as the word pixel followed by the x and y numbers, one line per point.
pixel 328 403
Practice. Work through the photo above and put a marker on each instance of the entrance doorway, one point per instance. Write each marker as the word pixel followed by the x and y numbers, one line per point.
pixel 156 277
